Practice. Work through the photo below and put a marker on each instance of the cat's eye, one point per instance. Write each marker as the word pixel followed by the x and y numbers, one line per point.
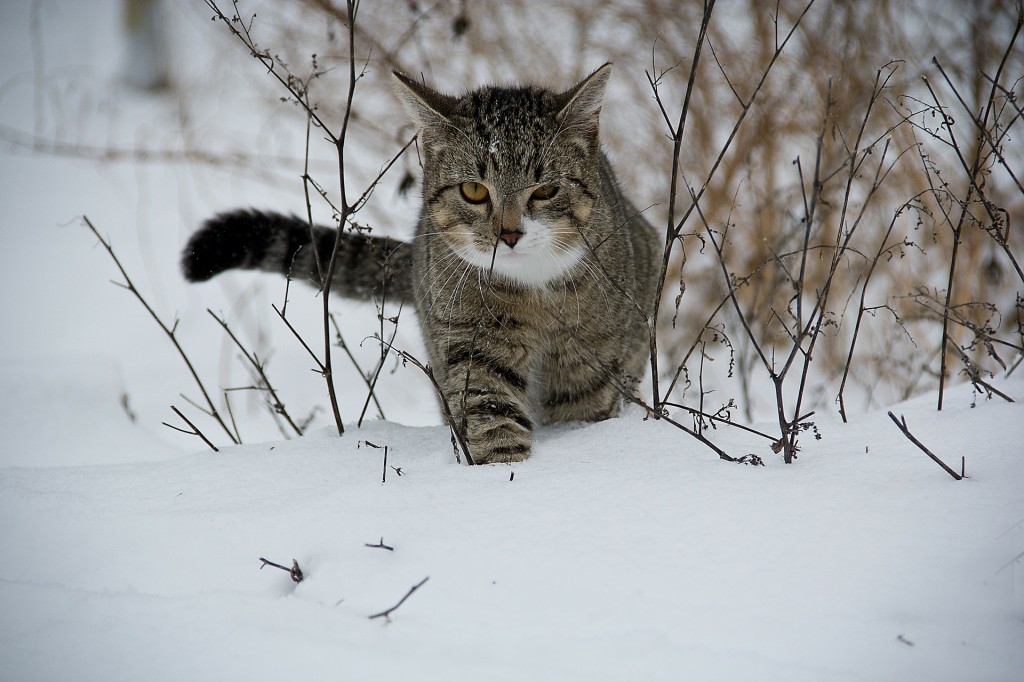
pixel 544 192
pixel 473 192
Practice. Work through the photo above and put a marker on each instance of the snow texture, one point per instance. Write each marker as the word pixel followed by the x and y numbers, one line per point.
pixel 622 550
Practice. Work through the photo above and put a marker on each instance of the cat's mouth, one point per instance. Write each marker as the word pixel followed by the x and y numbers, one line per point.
pixel 532 257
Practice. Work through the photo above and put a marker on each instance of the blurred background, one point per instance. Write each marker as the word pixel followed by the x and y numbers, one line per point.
pixel 150 116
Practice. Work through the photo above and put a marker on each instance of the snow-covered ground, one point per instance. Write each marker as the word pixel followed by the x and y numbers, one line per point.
pixel 621 551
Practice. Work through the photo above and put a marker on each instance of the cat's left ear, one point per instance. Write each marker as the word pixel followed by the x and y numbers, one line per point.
pixel 580 105
pixel 426 107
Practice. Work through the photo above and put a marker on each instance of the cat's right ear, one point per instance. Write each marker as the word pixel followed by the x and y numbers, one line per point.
pixel 580 105
pixel 425 107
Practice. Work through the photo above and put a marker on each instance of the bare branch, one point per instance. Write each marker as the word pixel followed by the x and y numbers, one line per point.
pixel 386 614
pixel 195 430
pixel 295 572
pixel 275 402
pixel 901 424
pixel 169 331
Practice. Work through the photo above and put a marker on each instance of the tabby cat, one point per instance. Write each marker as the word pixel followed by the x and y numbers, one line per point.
pixel 532 275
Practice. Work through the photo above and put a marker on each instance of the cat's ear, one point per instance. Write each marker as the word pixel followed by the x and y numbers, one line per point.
pixel 580 106
pixel 425 107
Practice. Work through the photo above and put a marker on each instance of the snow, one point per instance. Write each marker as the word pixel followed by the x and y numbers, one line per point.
pixel 620 550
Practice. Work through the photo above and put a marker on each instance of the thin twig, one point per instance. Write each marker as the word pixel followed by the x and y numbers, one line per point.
pixel 275 402
pixel 195 430
pixel 385 349
pixel 636 400
pixel 355 363
pixel 861 308
pixel 380 545
pixel 957 230
pixel 386 614
pixel 714 418
pixel 346 211
pixel 169 331
pixel 458 431
pixel 298 336
pixel 231 415
pixel 973 372
pixel 901 424
pixel 1009 563
pixel 673 227
pixel 295 572
pixel 384 475
pixel 361 201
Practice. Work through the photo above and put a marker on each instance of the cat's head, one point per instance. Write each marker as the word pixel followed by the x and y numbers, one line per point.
pixel 511 175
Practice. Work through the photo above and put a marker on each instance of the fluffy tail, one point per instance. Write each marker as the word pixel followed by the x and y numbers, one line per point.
pixel 366 268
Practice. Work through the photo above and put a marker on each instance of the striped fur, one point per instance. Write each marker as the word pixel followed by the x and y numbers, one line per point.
pixel 532 275
pixel 366 267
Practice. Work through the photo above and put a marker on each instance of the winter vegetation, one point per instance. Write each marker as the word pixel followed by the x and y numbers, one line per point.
pixel 820 477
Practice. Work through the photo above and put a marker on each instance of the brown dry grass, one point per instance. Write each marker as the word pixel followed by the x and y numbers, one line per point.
pixel 840 48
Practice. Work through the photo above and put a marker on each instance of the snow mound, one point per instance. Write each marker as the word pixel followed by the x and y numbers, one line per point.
pixel 621 550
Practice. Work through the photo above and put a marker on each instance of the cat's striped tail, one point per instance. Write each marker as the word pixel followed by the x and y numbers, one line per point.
pixel 367 268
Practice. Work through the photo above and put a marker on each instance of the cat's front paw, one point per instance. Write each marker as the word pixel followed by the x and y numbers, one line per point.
pixel 500 455
pixel 498 429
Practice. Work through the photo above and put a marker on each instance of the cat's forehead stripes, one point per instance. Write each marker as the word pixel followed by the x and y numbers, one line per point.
pixel 509 127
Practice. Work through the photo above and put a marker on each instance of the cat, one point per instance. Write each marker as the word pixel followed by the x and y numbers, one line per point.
pixel 533 277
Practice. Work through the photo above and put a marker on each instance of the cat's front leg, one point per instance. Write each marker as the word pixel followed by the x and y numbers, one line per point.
pixel 485 384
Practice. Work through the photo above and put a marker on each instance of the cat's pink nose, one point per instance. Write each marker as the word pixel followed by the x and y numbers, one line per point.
pixel 510 238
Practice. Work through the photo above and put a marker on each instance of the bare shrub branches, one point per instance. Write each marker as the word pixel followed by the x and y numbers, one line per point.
pixel 264 383
pixel 805 315
pixel 990 130
pixel 801 251
pixel 170 333
pixel 784 310
pixel 298 88
pixel 344 209
pixel 674 224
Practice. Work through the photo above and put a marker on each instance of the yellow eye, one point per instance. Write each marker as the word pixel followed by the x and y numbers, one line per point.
pixel 473 192
pixel 544 192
